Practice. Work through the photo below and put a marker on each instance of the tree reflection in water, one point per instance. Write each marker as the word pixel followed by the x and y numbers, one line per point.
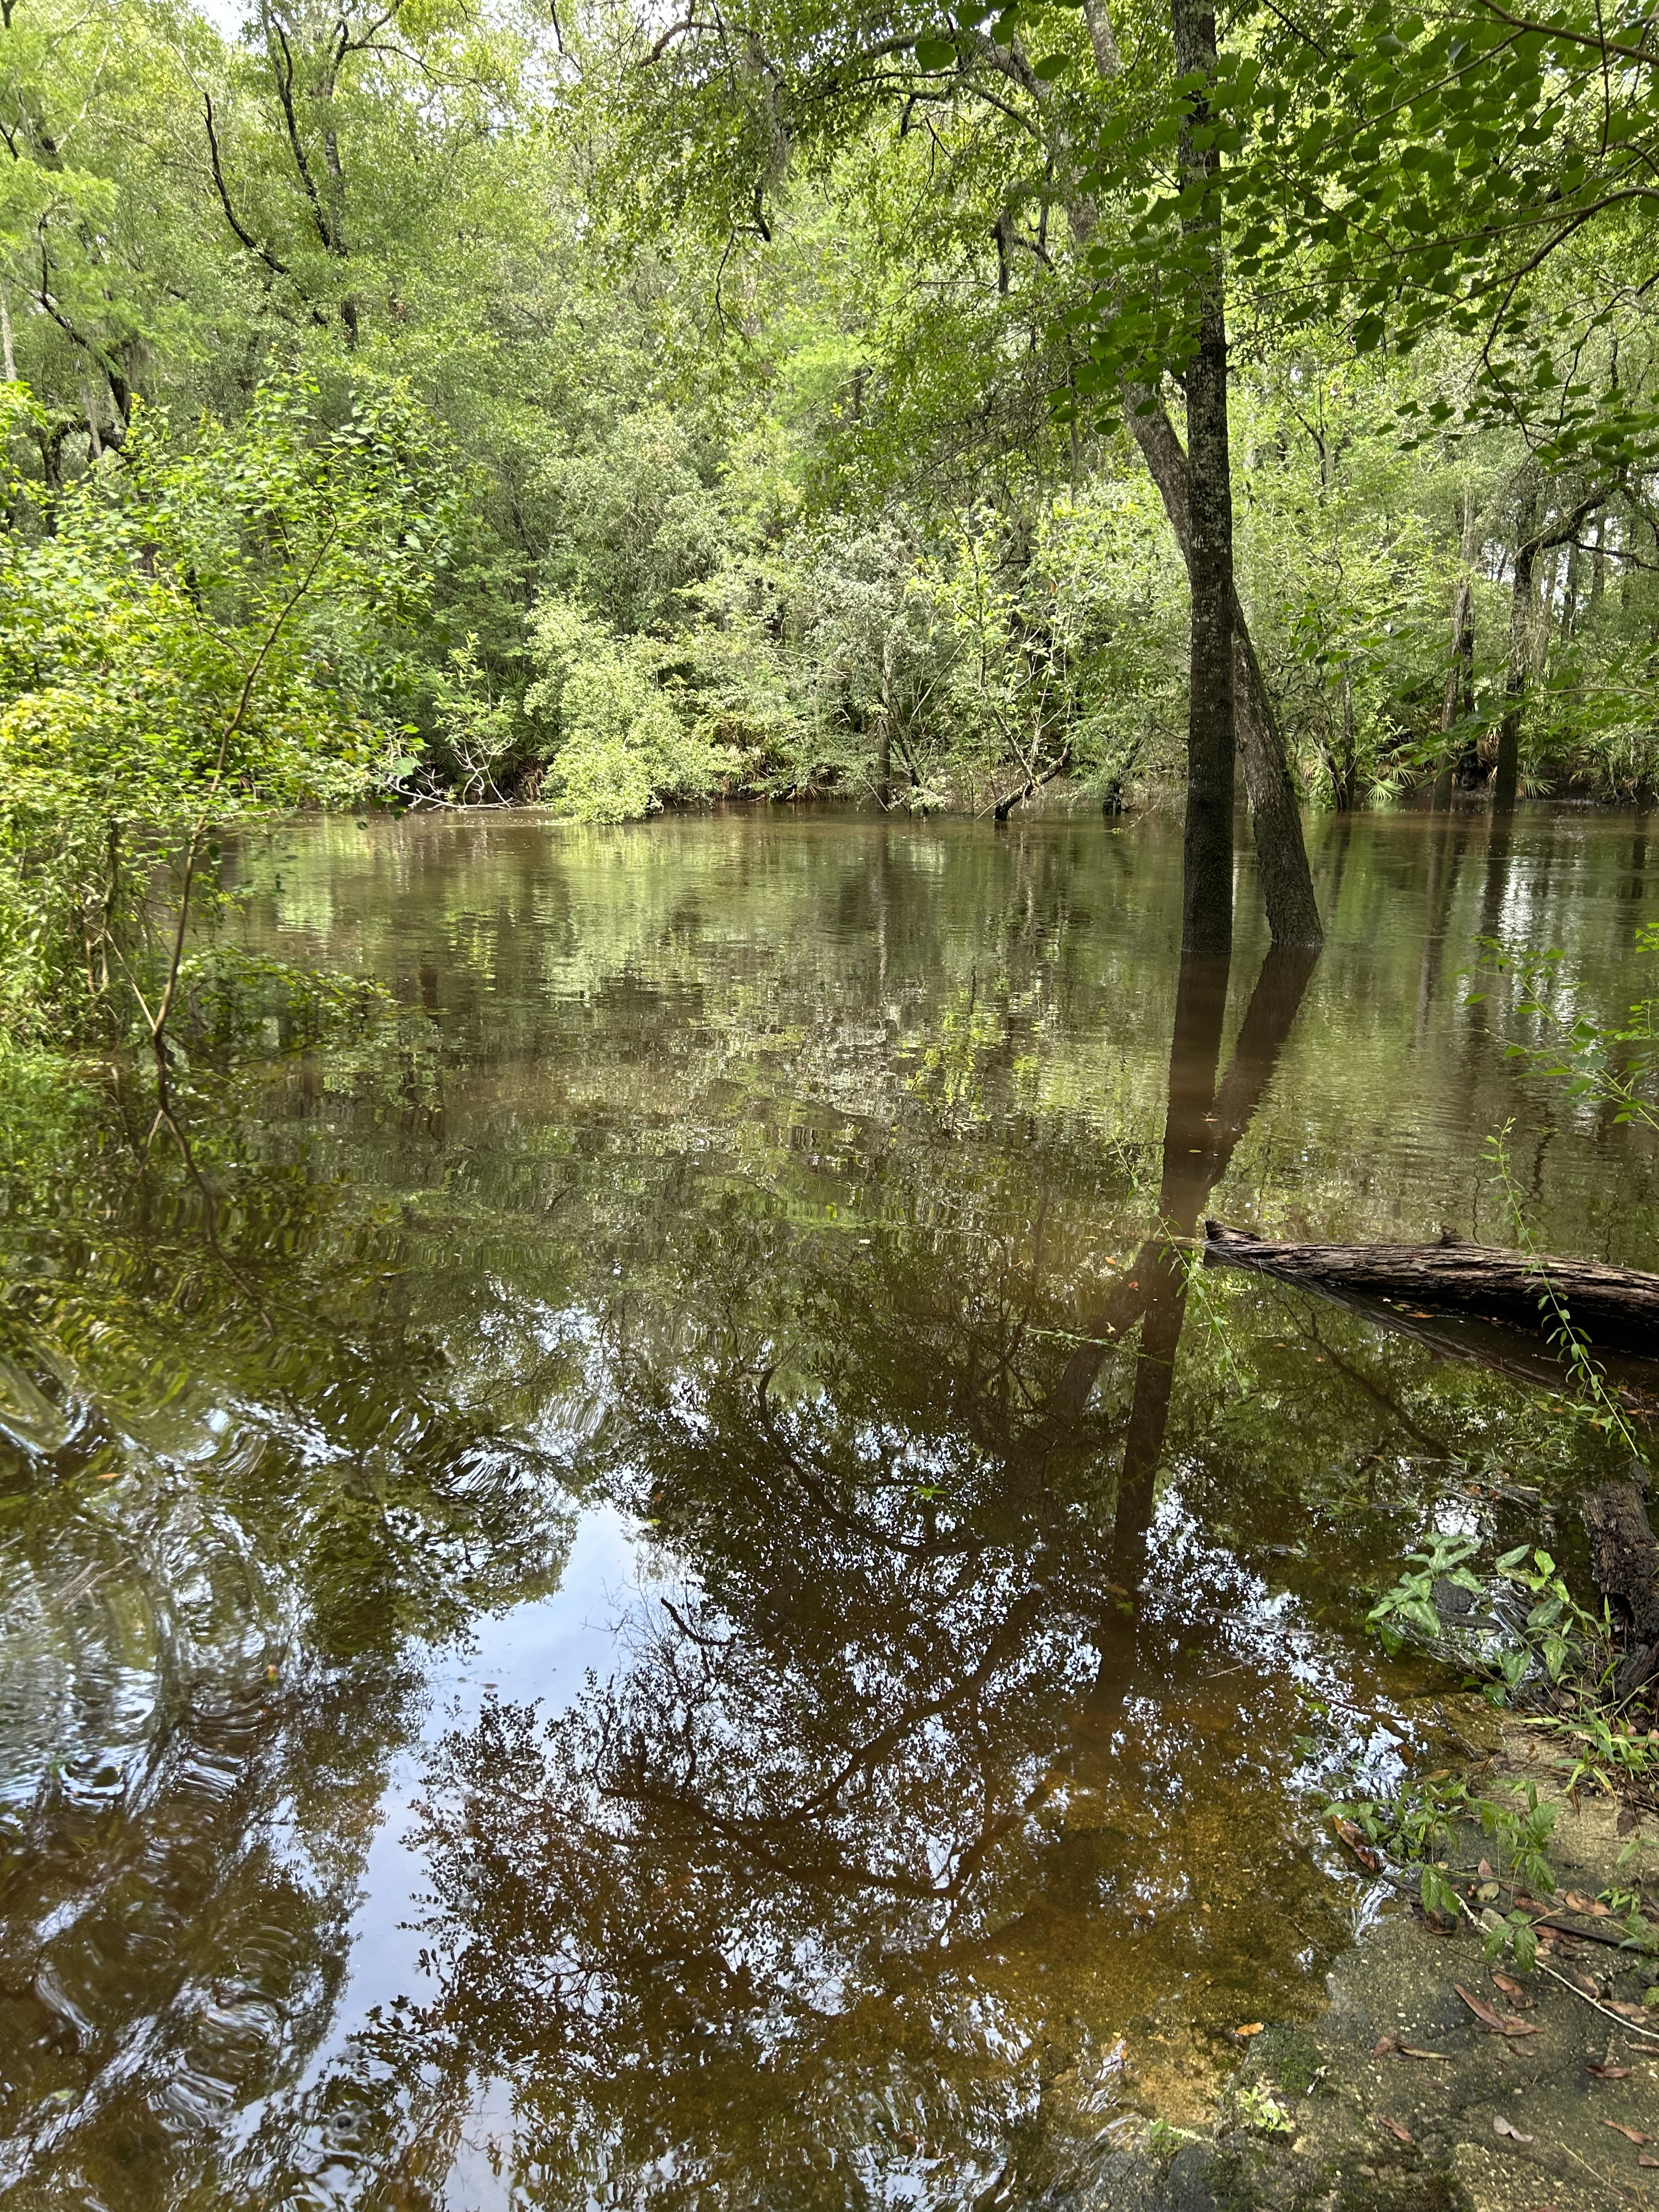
pixel 938 1802
pixel 927 1778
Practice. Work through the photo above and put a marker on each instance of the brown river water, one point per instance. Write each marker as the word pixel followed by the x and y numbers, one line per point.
pixel 648 1583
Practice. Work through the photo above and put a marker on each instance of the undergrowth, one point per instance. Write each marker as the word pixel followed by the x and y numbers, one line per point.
pixel 1534 1649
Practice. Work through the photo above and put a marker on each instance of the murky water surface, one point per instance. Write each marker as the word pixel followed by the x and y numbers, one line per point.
pixel 644 1586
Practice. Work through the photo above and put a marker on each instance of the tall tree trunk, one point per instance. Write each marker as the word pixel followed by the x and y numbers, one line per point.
pixel 885 714
pixel 1507 776
pixel 1275 812
pixel 1207 900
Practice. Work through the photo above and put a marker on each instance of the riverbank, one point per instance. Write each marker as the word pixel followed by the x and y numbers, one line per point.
pixel 1405 2095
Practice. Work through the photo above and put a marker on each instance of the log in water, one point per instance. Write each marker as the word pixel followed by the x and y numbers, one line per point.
pixel 1613 1306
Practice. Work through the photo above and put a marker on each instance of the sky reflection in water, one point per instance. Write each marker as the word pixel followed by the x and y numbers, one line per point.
pixel 673 1598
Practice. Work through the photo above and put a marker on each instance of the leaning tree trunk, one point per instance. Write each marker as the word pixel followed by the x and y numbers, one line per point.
pixel 1207 903
pixel 1275 813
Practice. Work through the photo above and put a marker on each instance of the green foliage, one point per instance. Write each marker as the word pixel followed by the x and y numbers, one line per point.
pixel 1611 1065
pixel 1607 1750
pixel 614 745
pixel 1458 174
pixel 1260 2109
pixel 1553 1633
pixel 632 523
pixel 1410 1603
pixel 756 372
pixel 1428 1816
pixel 204 632
pixel 478 733
pixel 1556 1627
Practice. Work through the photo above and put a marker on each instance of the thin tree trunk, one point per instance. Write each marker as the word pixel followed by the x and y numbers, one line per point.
pixel 1543 627
pixel 1570 597
pixel 1346 789
pixel 7 358
pixel 1457 701
pixel 1507 776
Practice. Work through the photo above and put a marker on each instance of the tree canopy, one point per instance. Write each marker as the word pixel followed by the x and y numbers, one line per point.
pixel 799 399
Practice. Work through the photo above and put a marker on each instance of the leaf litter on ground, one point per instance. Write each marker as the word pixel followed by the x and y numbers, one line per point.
pixel 1494 2022
pixel 1512 1990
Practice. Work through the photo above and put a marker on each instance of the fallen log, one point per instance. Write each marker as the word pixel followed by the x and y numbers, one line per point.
pixel 1613 1306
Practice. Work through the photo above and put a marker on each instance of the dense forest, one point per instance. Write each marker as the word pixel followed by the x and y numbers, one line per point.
pixel 448 402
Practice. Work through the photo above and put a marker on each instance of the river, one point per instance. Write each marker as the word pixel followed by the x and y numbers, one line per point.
pixel 643 1583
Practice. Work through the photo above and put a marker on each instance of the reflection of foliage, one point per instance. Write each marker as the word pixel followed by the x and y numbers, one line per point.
pixel 239 1478
pixel 887 1775
pixel 1610 1065
pixel 586 1223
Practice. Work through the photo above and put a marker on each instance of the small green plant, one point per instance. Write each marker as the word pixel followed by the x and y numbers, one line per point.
pixel 1554 1634
pixel 1260 2109
pixel 1422 1823
pixel 1609 1751
pixel 1410 1603
pixel 1556 1628
pixel 1555 1643
pixel 1163 2141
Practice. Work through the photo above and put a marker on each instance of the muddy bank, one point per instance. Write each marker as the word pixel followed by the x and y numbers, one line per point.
pixel 1561 2111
